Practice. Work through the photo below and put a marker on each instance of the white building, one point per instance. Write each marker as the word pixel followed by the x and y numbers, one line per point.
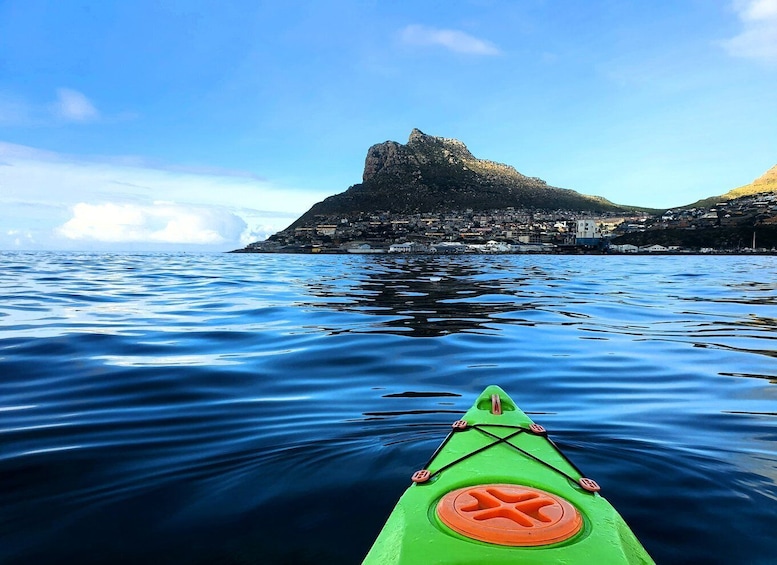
pixel 326 230
pixel 625 248
pixel 496 247
pixel 588 233
pixel 408 247
pixel 448 247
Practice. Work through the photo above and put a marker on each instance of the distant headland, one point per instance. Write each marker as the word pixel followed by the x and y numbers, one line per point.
pixel 431 195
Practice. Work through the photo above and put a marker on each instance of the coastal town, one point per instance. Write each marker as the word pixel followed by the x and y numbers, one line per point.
pixel 431 195
pixel 520 231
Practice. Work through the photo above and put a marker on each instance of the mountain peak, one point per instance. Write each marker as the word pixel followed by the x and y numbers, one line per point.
pixel 421 140
pixel 416 136
pixel 431 174
pixel 421 150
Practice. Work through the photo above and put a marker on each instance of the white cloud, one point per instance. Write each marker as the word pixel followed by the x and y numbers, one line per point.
pixel 73 106
pixel 758 38
pixel 20 238
pixel 64 202
pixel 69 106
pixel 159 222
pixel 757 9
pixel 451 39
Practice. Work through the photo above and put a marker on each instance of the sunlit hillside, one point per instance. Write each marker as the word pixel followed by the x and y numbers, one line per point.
pixel 765 183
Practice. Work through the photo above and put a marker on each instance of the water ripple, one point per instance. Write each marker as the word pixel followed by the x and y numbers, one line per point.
pixel 181 408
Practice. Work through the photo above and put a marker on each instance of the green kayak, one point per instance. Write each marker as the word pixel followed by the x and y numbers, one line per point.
pixel 498 490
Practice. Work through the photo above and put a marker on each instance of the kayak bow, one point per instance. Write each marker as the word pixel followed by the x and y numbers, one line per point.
pixel 498 490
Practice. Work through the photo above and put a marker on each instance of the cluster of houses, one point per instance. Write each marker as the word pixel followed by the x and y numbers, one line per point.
pixel 760 207
pixel 654 248
pixel 510 230
pixel 501 231
pixel 500 247
pixel 452 248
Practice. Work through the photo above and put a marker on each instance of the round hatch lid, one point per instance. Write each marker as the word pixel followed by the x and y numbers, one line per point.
pixel 507 514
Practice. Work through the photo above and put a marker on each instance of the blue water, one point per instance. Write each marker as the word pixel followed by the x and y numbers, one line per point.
pixel 271 408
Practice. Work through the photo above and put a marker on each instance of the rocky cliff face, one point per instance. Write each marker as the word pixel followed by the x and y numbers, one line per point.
pixel 388 158
pixel 391 157
pixel 435 174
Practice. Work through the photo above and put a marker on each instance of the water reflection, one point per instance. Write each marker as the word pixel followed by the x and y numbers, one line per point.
pixel 429 296
pixel 771 378
pixel 411 394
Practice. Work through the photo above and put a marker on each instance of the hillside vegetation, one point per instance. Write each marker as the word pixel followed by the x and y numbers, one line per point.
pixel 765 183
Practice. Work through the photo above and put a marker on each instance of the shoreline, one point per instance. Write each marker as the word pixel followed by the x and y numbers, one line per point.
pixel 555 252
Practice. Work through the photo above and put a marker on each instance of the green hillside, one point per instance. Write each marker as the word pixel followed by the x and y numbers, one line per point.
pixel 765 183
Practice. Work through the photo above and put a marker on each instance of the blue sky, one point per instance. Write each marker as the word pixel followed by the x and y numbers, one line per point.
pixel 187 124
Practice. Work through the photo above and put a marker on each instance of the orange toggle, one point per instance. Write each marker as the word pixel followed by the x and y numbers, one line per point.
pixel 460 425
pixel 589 484
pixel 513 515
pixel 538 430
pixel 421 476
pixel 496 405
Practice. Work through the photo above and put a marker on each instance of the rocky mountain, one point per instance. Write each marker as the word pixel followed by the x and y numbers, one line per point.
pixel 435 174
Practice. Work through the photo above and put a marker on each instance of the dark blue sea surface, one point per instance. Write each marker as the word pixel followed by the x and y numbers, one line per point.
pixel 271 408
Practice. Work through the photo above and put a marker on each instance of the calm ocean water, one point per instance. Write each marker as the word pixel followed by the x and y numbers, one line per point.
pixel 271 409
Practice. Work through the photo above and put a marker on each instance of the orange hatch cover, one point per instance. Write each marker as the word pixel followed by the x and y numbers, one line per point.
pixel 509 515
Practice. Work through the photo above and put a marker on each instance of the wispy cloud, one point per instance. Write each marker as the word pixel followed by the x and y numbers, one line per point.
pixel 73 106
pixel 68 106
pixel 758 38
pixel 451 39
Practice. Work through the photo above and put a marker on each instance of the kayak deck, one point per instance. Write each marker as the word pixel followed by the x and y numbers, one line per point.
pixel 498 490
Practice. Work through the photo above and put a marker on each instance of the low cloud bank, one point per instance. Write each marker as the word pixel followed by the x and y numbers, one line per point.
pixel 59 201
pixel 156 223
